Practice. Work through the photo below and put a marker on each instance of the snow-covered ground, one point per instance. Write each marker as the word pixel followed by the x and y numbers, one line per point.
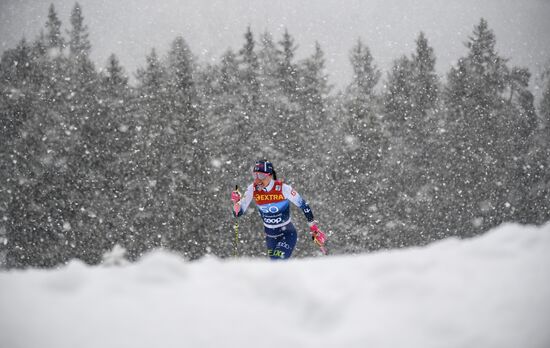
pixel 490 291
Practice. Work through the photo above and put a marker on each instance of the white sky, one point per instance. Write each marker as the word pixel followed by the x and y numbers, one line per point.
pixel 131 28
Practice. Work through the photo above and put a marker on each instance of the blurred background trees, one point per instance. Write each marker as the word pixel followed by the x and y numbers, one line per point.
pixel 89 161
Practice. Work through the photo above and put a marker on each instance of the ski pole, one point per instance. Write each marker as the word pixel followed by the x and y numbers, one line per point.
pixel 236 228
pixel 321 246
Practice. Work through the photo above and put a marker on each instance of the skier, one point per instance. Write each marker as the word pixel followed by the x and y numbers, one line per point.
pixel 272 198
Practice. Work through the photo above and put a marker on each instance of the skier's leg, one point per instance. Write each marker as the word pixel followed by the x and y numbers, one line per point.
pixel 271 243
pixel 282 246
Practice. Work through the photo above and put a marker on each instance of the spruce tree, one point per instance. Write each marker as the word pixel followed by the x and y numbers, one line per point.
pixel 361 99
pixel 79 43
pixel 37 156
pixel 365 77
pixel 424 157
pixel 82 75
pixel 410 116
pixel 188 161
pixel 150 85
pixel 287 72
pixel 249 66
pixel 15 110
pixel 536 175
pixel 180 76
pixel 115 77
pixel 254 115
pixel 364 141
pixel 545 101
pixel 274 98
pixel 270 62
pixel 398 99
pixel 288 109
pixel 542 187
pixel 483 130
pixel 86 121
pixel 229 71
pixel 313 100
pixel 149 153
pixel 321 139
pixel 314 87
pixel 54 39
pixel 412 90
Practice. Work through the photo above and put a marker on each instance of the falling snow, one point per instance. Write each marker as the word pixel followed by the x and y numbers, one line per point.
pixel 94 155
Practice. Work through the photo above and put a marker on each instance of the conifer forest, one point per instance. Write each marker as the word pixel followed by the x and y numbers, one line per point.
pixel 91 159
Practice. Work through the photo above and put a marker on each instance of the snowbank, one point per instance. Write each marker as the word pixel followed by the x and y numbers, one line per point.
pixel 490 291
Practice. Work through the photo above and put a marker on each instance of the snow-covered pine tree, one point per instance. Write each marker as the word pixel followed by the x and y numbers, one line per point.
pixel 54 40
pixel 542 188
pixel 153 155
pixel 82 69
pixel 409 106
pixel 361 92
pixel 150 80
pixel 270 62
pixel 37 157
pixel 359 166
pixel 187 164
pixel 287 73
pixel 482 126
pixel 249 66
pixel 114 77
pixel 314 87
pixel 536 202
pixel 229 85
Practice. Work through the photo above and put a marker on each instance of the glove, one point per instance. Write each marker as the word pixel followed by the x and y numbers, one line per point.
pixel 316 235
pixel 236 198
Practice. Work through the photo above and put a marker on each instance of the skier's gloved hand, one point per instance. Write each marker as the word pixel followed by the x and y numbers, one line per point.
pixel 316 235
pixel 236 199
pixel 235 196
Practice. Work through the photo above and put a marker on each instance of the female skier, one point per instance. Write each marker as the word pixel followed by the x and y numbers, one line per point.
pixel 272 198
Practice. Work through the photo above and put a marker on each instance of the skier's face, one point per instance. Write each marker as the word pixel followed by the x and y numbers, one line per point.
pixel 261 179
pixel 260 175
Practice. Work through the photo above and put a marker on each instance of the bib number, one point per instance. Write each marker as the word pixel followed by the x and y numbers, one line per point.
pixel 272 209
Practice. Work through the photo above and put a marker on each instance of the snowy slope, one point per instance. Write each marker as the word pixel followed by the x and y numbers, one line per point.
pixel 490 291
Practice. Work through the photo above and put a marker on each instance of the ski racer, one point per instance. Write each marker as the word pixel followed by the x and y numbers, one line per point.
pixel 272 198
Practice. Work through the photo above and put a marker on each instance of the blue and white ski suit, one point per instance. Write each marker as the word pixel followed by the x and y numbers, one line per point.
pixel 273 203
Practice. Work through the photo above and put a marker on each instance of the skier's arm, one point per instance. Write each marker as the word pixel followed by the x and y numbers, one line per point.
pixel 317 236
pixel 293 196
pixel 245 201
